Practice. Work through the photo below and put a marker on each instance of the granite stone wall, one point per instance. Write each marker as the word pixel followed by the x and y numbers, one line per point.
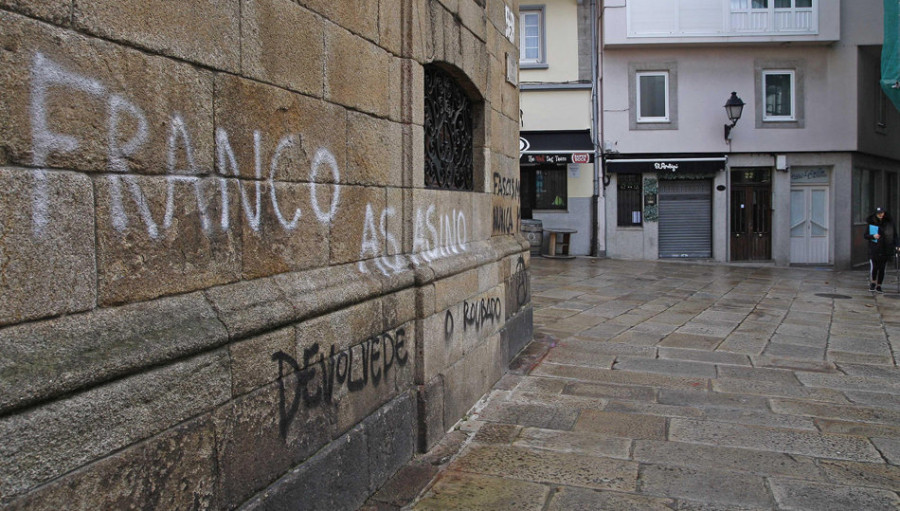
pixel 223 282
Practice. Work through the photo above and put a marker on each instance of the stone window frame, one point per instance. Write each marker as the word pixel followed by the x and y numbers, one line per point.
pixel 798 67
pixel 671 69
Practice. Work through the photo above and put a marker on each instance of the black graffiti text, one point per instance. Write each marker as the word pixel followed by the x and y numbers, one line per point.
pixel 505 186
pixel 321 372
pixel 479 312
pixel 503 220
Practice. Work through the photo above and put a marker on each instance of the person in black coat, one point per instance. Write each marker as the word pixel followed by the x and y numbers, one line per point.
pixel 883 244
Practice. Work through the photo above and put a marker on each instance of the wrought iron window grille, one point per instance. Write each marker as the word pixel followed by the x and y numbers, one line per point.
pixel 448 133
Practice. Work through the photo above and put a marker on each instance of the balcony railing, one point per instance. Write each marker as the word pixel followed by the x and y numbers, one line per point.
pixel 703 18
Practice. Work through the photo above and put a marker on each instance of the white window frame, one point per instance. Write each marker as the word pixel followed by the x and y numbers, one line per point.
pixel 541 60
pixel 637 78
pixel 793 96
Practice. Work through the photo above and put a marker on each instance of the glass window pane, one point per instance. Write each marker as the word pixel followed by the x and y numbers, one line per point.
pixel 628 199
pixel 531 36
pixel 804 4
pixel 819 221
pixel 778 95
pixel 653 96
pixel 760 4
pixel 550 189
pixel 739 4
pixel 798 213
pixel 782 4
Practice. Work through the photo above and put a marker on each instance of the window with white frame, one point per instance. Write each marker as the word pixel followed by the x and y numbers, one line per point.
pixel 773 16
pixel 531 36
pixel 652 96
pixel 778 95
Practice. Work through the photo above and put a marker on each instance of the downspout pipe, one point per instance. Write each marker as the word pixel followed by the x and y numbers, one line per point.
pixel 595 131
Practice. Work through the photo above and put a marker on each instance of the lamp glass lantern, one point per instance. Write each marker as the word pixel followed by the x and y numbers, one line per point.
pixel 734 107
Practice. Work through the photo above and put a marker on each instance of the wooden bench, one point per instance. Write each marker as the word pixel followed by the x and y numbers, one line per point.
pixel 558 243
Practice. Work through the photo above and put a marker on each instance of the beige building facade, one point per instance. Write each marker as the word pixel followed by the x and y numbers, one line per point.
pixel 253 253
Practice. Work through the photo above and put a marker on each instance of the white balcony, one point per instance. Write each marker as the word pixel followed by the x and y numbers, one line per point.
pixel 635 22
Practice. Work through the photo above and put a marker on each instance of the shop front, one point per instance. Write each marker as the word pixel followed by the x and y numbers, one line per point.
pixel 557 174
pixel 659 207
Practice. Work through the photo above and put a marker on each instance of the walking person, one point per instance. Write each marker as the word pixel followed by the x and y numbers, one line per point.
pixel 883 244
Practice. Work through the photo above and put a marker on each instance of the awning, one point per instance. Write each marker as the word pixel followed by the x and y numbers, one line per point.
pixel 676 164
pixel 574 146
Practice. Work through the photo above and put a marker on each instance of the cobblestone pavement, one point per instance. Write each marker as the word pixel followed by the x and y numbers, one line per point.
pixel 672 385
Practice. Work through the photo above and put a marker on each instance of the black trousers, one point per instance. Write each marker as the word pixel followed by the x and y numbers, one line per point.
pixel 876 269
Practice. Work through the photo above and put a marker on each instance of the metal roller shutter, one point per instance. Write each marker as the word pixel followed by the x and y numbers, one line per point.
pixel 685 218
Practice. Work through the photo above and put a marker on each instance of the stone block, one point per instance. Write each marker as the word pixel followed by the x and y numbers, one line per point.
pixel 275 51
pixel 252 363
pixel 775 389
pixel 430 400
pixel 356 233
pixel 374 152
pixel 804 443
pixel 58 12
pixel 794 494
pixel 834 411
pixel 530 415
pixel 169 471
pixel 623 425
pixel 361 17
pixel 626 392
pixel 44 443
pixel 875 475
pixel 392 33
pixel 758 373
pixel 251 307
pixel 849 382
pixel 312 134
pixel 889 448
pixel 583 499
pixel 74 92
pixel 470 378
pixel 620 377
pixel 574 442
pixel 460 490
pixel 717 487
pixel 267 432
pixel 357 73
pixel 453 290
pixel 376 371
pixel 516 334
pixel 342 329
pixel 725 459
pixel 186 251
pixel 46 268
pixel 399 308
pixel 391 438
pixel 50 358
pixel 665 366
pixel 550 467
pixel 711 399
pixel 336 477
pixel 208 33
pixel 474 18
pixel 451 335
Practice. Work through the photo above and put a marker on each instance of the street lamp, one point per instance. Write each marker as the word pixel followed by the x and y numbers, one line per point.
pixel 733 107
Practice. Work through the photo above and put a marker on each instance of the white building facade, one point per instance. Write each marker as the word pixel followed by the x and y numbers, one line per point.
pixel 816 148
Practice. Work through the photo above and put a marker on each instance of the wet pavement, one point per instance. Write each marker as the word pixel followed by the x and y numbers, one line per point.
pixel 677 385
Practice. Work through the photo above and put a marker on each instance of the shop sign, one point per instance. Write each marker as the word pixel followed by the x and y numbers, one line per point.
pixel 581 158
pixel 815 175
pixel 665 166
pixel 545 158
